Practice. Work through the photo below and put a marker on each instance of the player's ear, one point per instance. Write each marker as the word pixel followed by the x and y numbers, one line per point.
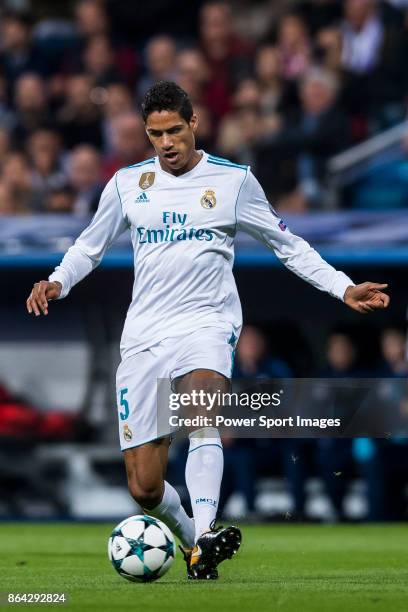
pixel 194 122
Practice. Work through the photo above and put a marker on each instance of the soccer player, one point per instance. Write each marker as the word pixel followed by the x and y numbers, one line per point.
pixel 183 208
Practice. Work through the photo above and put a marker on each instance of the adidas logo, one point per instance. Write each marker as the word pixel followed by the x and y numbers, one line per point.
pixel 142 199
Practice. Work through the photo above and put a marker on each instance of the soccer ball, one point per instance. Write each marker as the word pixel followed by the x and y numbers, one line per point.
pixel 141 548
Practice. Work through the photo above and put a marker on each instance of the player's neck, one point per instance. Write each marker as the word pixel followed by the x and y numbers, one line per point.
pixel 192 162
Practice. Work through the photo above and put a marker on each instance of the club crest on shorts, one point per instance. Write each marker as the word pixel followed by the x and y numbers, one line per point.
pixel 208 200
pixel 127 433
pixel 147 180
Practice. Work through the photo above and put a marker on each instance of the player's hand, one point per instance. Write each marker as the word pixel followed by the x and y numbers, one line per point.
pixel 42 292
pixel 367 297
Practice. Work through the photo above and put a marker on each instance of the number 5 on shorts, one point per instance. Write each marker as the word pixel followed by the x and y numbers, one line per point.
pixel 123 402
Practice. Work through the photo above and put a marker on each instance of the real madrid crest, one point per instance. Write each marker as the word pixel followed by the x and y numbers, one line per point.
pixel 127 433
pixel 147 180
pixel 208 200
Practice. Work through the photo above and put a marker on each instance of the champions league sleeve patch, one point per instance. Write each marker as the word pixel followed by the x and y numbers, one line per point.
pixel 282 225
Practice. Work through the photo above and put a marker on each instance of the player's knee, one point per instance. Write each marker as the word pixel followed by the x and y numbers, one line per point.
pixel 147 497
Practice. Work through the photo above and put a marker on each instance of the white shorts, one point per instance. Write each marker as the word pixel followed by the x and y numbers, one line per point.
pixel 207 348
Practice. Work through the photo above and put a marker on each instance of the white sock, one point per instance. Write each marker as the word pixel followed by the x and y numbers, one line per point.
pixel 204 467
pixel 171 512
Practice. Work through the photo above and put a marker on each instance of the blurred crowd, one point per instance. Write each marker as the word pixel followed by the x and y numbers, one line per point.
pixel 283 85
pixel 380 463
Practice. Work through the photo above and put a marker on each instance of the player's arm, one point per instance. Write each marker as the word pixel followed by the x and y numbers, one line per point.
pixel 87 252
pixel 257 217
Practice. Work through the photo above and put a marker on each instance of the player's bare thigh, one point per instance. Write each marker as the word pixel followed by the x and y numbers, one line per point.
pixel 208 381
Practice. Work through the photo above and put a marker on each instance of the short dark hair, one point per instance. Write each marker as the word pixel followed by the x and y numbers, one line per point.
pixel 167 96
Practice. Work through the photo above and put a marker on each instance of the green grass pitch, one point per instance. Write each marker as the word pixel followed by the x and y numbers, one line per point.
pixel 296 568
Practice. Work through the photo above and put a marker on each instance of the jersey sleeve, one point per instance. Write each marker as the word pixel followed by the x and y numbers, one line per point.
pixel 89 248
pixel 257 217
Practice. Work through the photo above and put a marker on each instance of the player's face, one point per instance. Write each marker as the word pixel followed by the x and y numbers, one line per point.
pixel 173 140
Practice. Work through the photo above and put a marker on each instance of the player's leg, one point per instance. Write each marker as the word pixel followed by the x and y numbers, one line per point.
pixel 204 470
pixel 145 452
pixel 205 461
pixel 145 470
pixel 146 467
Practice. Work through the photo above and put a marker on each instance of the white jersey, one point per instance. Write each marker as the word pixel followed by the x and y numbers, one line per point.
pixel 183 230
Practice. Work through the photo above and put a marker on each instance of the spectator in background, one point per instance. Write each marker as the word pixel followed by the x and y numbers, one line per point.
pixel 334 456
pixel 324 130
pixel 129 143
pixel 245 458
pixel 31 106
pixel 294 46
pixel 331 458
pixel 393 349
pixel 91 18
pixel 362 33
pixel 276 94
pixel 8 207
pixel 248 124
pixel 160 61
pixel 204 134
pixel 16 194
pixel 192 74
pixel 319 14
pixel 227 55
pixel 5 145
pixel 85 177
pixel 44 150
pixel 241 129
pixel 18 53
pixel 384 462
pixel 99 61
pixel 341 356
pixel 362 38
pixel 328 49
pixel 302 146
pixel 118 102
pixel 93 23
pixel 376 76
pixel 60 200
pixel 80 119
pixel 254 359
